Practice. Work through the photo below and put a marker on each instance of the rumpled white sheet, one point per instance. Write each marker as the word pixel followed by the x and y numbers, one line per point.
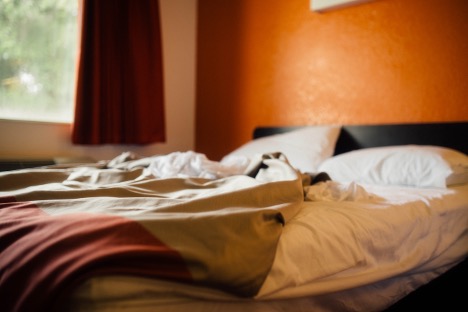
pixel 334 191
pixel 192 164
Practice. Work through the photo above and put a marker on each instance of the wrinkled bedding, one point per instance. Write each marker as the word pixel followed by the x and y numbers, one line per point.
pixel 60 226
pixel 368 234
pixel 350 247
pixel 200 235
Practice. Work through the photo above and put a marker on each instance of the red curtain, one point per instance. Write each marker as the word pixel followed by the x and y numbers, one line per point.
pixel 119 92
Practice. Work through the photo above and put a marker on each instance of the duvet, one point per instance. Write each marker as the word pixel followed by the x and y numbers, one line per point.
pixel 61 226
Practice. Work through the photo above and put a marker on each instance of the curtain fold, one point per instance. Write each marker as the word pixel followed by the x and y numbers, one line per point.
pixel 119 91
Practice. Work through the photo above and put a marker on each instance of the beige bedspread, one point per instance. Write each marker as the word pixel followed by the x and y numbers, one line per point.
pixel 60 226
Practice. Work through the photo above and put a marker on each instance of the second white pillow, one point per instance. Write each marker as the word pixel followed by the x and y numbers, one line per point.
pixel 409 165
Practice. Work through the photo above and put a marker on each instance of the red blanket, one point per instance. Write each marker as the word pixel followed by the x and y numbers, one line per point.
pixel 43 257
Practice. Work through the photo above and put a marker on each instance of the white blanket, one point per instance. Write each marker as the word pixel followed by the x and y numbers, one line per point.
pixel 192 164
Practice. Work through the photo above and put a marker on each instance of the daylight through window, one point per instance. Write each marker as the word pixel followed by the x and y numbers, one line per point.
pixel 38 40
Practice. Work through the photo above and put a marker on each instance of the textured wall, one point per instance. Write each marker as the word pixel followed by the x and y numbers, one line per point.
pixel 276 62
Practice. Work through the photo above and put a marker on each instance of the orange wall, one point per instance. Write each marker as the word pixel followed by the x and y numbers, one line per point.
pixel 276 62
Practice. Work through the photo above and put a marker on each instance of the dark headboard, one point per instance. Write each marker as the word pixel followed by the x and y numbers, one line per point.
pixel 352 137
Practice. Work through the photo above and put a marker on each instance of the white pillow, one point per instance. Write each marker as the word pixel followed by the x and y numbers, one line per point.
pixel 305 148
pixel 410 165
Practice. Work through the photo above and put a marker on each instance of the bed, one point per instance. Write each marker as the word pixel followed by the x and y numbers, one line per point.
pixel 313 218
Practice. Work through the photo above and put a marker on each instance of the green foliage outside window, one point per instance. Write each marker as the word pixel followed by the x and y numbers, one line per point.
pixel 38 40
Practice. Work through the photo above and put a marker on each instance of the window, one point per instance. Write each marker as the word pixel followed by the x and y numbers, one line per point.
pixel 38 40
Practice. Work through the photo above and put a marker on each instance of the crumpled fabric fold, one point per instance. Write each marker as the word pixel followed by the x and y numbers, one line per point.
pixel 335 191
pixel 192 164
